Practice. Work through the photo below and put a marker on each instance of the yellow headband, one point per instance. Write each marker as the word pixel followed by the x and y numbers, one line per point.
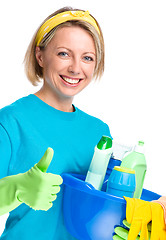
pixel 61 18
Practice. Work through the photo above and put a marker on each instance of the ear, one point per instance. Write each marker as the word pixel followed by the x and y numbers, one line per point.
pixel 39 56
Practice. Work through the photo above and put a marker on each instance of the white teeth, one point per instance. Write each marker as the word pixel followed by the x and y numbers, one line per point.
pixel 69 80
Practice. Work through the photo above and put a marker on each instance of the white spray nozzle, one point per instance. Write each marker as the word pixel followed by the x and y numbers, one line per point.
pixel 119 150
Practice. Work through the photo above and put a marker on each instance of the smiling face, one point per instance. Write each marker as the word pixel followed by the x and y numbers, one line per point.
pixel 68 62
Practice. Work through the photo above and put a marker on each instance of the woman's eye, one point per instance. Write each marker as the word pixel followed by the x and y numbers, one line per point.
pixel 63 54
pixel 88 59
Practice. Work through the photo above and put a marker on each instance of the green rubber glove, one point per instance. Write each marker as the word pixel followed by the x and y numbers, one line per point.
pixel 36 188
pixel 122 233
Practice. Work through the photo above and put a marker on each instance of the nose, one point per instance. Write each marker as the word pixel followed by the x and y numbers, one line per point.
pixel 75 67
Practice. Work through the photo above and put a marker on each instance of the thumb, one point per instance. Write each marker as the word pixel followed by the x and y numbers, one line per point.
pixel 45 161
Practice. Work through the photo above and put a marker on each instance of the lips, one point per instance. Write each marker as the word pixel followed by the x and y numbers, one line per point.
pixel 71 81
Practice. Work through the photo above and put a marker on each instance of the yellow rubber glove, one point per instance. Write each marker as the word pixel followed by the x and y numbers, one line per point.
pixel 158 231
pixel 122 233
pixel 138 214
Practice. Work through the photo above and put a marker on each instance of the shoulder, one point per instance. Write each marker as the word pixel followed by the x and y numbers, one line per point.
pixel 93 122
pixel 11 112
pixel 87 117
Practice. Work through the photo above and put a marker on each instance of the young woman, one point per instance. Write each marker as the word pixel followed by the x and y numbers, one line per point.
pixel 66 53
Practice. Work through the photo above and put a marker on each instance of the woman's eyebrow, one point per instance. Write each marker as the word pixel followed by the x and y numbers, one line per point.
pixel 71 50
pixel 91 53
pixel 65 48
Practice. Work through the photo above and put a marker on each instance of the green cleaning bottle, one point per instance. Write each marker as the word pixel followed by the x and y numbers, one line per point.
pixel 99 163
pixel 136 160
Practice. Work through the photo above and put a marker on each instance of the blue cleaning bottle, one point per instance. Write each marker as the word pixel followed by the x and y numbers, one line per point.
pixel 121 182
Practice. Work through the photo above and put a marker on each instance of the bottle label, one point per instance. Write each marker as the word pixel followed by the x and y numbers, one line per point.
pixel 95 180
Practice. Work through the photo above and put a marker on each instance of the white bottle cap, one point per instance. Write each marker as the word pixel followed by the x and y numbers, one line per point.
pixel 139 147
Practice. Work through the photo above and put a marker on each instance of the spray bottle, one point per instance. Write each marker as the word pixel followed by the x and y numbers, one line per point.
pixel 99 163
pixel 118 152
pixel 136 160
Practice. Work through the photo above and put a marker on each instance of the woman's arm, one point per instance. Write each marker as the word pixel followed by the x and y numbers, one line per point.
pixel 5 152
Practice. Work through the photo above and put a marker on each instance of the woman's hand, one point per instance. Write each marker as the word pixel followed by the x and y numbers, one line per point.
pixel 36 188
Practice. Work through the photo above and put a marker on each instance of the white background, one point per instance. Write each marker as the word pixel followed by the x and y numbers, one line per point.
pixel 130 97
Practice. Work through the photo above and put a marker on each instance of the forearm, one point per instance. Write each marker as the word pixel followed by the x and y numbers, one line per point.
pixel 8 196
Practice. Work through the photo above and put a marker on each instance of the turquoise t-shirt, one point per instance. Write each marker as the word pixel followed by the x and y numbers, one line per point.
pixel 27 128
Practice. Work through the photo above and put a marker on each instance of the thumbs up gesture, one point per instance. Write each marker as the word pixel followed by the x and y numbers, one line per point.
pixel 37 188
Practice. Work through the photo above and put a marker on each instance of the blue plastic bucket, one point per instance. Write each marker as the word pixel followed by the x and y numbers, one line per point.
pixel 92 214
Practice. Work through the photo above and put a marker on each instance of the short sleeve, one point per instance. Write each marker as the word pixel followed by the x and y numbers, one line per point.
pixel 107 131
pixel 5 152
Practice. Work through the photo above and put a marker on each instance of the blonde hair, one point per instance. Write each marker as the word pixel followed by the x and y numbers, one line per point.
pixel 33 70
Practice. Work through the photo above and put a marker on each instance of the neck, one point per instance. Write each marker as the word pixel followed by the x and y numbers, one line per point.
pixel 55 101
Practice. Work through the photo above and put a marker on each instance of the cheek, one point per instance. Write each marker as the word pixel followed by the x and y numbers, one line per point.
pixel 90 70
pixel 50 67
pixel 58 65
